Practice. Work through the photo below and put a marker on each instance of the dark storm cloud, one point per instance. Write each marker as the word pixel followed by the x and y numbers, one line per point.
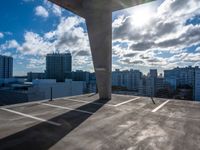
pixel 82 53
pixel 125 31
pixel 67 39
pixel 130 55
pixel 144 57
pixel 142 46
pixel 163 28
pixel 179 4
pixel 128 61
pixel 153 60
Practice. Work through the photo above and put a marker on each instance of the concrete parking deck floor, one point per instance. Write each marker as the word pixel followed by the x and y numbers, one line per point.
pixel 86 123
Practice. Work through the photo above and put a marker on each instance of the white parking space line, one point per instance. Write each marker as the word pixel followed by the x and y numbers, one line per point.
pixel 82 95
pixel 128 101
pixel 87 102
pixel 30 116
pixel 67 108
pixel 160 106
pixel 124 95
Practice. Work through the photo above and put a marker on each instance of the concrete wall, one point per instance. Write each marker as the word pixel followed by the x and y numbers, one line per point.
pixel 59 89
pixel 12 97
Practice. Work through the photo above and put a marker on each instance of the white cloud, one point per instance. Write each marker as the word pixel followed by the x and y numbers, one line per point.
pixel 57 10
pixel 54 9
pixel 7 53
pixel 197 49
pixel 41 11
pixel 10 44
pixel 1 35
pixel 118 21
pixel 67 36
pixel 35 63
pixel 35 45
pixel 133 45
pixel 166 30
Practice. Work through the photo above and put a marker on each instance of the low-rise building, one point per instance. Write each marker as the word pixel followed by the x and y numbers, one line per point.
pixel 35 75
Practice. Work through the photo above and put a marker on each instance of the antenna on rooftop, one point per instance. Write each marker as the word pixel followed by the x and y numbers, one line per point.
pixel 151 96
pixel 57 51
pixel 51 94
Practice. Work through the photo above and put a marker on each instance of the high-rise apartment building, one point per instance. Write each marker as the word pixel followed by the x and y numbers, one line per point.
pixel 35 75
pixel 188 76
pixel 150 85
pixel 197 84
pixel 129 79
pixel 183 76
pixel 6 66
pixel 134 77
pixel 118 78
pixel 153 73
pixel 58 66
pixel 80 75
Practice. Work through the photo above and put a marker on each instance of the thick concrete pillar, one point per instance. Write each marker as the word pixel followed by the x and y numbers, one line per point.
pixel 98 17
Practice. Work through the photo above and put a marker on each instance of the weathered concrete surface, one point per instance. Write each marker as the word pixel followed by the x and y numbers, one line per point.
pixel 132 125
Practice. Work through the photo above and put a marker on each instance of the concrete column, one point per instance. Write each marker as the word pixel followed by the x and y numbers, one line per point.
pixel 99 24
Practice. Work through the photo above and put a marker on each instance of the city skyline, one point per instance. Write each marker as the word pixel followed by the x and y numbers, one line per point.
pixel 178 83
pixel 169 31
pixel 148 73
pixel 100 74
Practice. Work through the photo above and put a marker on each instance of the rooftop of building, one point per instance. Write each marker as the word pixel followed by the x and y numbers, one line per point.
pixel 5 56
pixel 85 122
pixel 59 54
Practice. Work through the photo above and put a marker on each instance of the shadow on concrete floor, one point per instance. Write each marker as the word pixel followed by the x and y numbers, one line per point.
pixel 43 135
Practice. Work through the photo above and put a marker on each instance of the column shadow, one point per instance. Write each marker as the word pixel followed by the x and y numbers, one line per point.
pixel 43 135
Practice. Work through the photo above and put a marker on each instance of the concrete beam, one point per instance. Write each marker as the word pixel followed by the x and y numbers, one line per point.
pixel 74 6
pixel 123 4
pixel 99 25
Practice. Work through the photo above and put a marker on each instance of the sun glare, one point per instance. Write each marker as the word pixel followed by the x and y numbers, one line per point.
pixel 141 16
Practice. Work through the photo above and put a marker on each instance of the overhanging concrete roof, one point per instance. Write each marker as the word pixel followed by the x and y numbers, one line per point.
pixel 76 6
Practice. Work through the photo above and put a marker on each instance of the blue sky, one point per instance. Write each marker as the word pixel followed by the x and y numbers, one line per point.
pixel 161 34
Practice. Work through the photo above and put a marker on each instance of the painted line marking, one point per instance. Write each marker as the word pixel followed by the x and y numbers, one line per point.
pixel 30 116
pixel 67 108
pixel 82 95
pixel 124 95
pixel 87 102
pixel 128 101
pixel 160 106
pixel 40 101
pixel 103 103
